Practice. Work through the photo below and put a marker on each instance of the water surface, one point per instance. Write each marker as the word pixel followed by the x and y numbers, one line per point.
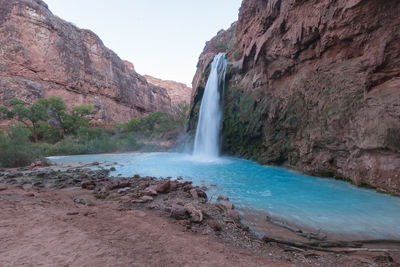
pixel 319 203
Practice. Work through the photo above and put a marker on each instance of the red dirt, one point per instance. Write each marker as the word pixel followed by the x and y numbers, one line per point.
pixel 38 230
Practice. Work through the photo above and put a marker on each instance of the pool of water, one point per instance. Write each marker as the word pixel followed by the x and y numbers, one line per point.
pixel 319 203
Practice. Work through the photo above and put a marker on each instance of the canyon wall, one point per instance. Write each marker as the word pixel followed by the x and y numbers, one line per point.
pixel 178 92
pixel 42 55
pixel 313 85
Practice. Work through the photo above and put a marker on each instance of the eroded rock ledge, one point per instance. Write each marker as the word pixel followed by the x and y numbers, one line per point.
pixel 42 55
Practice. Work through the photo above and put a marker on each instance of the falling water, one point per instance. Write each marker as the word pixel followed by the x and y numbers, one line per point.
pixel 206 143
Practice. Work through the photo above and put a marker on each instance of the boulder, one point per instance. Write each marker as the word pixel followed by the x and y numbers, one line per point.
pixel 178 212
pixel 163 187
pixel 196 215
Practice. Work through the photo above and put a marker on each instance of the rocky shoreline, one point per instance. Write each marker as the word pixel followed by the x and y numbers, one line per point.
pixel 188 206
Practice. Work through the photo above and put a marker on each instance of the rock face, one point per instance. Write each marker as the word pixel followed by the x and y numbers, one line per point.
pixel 314 85
pixel 42 55
pixel 178 92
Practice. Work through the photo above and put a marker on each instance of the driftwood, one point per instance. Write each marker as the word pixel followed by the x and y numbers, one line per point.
pixel 299 232
pixel 326 246
pixel 299 245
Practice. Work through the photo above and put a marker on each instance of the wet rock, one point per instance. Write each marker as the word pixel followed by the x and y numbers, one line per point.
pixel 223 198
pixel 163 187
pixel 136 176
pixel 147 198
pixel 113 169
pixel 178 212
pixel 203 187
pixel 228 205
pixel 214 225
pixel 201 193
pixel 196 215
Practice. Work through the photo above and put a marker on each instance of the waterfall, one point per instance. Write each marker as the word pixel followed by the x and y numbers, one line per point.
pixel 207 141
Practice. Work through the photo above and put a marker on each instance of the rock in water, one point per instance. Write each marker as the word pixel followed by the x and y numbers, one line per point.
pixel 228 205
pixel 223 198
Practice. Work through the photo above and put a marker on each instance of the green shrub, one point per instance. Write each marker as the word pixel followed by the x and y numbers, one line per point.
pixel 16 148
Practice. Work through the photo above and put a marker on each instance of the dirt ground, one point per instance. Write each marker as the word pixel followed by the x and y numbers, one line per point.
pixel 84 218
pixel 50 229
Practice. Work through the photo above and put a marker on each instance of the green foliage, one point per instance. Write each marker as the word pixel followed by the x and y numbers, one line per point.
pixel 16 149
pixel 59 132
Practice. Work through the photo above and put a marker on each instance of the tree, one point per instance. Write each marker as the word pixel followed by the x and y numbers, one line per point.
pixel 30 116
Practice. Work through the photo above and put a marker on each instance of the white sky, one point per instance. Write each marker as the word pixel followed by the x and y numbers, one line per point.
pixel 162 38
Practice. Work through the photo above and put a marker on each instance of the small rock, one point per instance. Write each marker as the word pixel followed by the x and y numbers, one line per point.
pixel 123 190
pixel 136 176
pixel 137 201
pixel 163 187
pixel 214 225
pixel 228 205
pixel 147 198
pixel 30 194
pixel 203 187
pixel 223 198
pixel 234 214
pixel 102 194
pixel 178 212
pixel 113 169
pixel 72 213
pixel 79 201
pixel 196 214
pixel 3 188
pixel 150 191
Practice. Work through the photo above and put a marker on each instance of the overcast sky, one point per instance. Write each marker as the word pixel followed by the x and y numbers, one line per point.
pixel 162 38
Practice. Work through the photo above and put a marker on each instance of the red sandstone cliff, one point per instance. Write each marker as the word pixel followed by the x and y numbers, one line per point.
pixel 314 85
pixel 42 55
pixel 178 92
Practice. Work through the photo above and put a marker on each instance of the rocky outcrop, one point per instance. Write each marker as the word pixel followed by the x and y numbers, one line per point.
pixel 178 92
pixel 42 55
pixel 314 85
